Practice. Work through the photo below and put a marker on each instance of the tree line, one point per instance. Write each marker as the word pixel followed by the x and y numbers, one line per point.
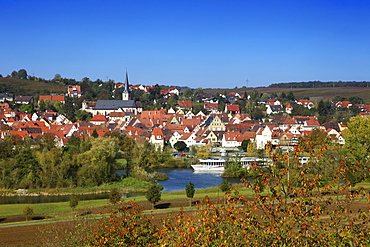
pixel 90 161
pixel 319 84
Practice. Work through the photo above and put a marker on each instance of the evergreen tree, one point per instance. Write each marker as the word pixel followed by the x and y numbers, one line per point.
pixel 190 191
pixel 290 96
pixel 321 108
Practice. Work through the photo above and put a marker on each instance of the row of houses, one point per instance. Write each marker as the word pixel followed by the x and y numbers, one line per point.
pixel 163 127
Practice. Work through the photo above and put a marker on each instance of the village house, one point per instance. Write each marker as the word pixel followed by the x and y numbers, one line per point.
pixel 306 103
pixel 343 104
pixel 263 136
pixel 52 98
pixel 288 108
pixel 157 138
pixel 211 107
pixel 6 97
pixel 98 120
pixel 274 109
pixel 184 104
pixel 214 123
pixel 232 109
pixel 23 100
pixel 74 91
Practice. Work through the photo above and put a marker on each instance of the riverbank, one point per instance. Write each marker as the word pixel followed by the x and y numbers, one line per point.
pixel 63 210
pixel 166 208
pixel 125 186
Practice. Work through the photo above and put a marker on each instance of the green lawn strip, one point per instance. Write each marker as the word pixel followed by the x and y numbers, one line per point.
pixel 127 185
pixel 56 208
pixel 52 209
pixel 62 209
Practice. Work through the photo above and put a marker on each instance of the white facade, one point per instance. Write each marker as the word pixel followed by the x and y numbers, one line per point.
pixel 263 137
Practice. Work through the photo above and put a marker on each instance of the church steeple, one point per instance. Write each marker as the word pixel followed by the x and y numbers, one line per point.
pixel 126 89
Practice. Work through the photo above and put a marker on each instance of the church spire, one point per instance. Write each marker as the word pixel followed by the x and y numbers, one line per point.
pixel 126 89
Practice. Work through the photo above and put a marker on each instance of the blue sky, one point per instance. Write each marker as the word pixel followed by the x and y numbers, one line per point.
pixel 209 44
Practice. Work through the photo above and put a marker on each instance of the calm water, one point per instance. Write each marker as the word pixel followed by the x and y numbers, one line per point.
pixel 178 178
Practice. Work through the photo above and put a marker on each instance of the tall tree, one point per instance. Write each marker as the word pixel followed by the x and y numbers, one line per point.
pixel 190 191
pixel 14 74
pixel 357 149
pixel 97 163
pixel 290 96
pixel 57 77
pixel 22 74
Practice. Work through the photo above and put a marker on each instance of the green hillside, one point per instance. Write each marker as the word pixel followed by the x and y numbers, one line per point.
pixel 30 87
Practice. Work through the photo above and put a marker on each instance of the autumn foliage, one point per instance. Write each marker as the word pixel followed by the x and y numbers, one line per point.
pixel 315 203
pixel 303 217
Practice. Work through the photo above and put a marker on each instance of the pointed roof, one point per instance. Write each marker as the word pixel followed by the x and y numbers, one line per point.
pixel 126 88
pixel 157 133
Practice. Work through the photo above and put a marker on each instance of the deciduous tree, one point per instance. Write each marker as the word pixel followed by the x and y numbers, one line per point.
pixel 73 202
pixel 28 211
pixel 114 196
pixel 203 152
pixel 22 74
pixel 357 149
pixel 180 146
pixel 153 195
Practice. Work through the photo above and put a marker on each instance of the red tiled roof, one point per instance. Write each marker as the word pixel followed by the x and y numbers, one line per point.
pixel 52 97
pixel 185 103
pixel 233 107
pixel 117 114
pixel 304 101
pixel 99 118
pixel 210 106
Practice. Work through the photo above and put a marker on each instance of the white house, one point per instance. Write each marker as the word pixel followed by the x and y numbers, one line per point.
pixel 157 138
pixel 274 109
pixel 263 136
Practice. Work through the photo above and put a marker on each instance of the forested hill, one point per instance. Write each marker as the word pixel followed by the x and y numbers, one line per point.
pixel 320 84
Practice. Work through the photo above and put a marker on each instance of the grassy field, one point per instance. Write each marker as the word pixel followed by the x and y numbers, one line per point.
pixel 63 210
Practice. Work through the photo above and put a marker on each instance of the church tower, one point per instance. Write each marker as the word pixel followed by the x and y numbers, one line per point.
pixel 126 90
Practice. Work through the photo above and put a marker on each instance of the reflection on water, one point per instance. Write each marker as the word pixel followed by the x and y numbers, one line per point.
pixel 178 178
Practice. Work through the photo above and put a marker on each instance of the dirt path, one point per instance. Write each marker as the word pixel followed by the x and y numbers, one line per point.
pixel 30 235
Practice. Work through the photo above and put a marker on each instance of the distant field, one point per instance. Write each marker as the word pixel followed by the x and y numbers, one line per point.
pixel 325 93
pixel 27 87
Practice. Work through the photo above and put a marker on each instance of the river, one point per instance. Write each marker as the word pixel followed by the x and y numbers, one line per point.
pixel 178 178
